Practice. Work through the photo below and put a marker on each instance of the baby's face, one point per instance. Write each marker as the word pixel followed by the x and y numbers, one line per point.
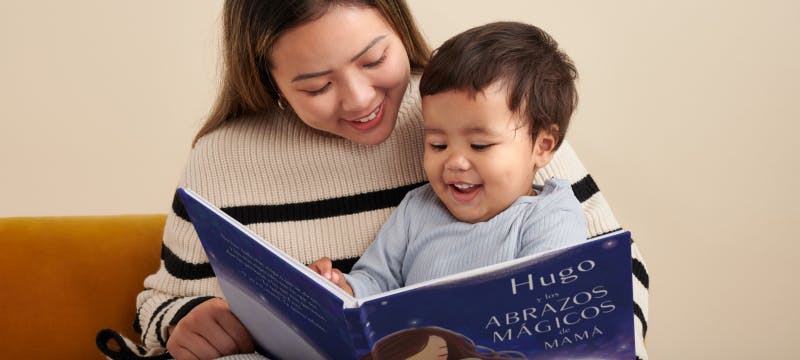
pixel 479 157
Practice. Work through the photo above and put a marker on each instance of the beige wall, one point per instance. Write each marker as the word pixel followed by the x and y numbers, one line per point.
pixel 688 120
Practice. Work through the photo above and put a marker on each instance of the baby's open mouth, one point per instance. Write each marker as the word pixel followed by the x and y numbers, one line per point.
pixel 465 188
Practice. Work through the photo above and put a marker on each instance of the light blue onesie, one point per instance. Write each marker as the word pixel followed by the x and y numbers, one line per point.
pixel 421 240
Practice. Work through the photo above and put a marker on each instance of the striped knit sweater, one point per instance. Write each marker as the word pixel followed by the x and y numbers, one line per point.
pixel 313 195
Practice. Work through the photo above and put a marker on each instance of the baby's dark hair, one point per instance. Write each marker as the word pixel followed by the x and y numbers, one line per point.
pixel 538 77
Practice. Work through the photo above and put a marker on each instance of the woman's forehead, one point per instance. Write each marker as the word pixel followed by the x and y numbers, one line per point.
pixel 339 35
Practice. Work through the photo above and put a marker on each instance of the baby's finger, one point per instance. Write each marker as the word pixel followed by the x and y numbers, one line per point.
pixel 325 263
pixel 322 265
pixel 337 277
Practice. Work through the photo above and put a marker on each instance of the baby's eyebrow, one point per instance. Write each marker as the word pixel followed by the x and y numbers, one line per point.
pixel 478 131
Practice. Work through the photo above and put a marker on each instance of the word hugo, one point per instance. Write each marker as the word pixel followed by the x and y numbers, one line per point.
pixel 565 276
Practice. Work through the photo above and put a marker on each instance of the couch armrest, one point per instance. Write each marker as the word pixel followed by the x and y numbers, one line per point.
pixel 64 278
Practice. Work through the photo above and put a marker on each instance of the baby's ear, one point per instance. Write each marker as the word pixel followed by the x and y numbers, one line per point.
pixel 545 145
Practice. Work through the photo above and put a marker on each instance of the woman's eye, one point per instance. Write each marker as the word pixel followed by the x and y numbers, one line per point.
pixel 375 64
pixel 480 147
pixel 438 147
pixel 318 91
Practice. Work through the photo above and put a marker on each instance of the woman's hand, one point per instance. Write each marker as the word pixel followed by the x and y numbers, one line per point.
pixel 209 331
pixel 324 267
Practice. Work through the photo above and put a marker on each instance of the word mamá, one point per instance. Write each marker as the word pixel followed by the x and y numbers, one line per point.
pixel 565 276
pixel 572 338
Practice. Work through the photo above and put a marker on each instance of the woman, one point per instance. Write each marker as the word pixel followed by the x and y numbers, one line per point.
pixel 315 138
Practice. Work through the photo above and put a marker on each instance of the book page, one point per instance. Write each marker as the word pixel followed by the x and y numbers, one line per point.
pixel 289 309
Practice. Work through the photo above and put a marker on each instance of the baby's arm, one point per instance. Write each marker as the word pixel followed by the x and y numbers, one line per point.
pixel 324 267
pixel 378 268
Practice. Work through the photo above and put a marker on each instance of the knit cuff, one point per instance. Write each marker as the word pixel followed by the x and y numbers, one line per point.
pixel 167 314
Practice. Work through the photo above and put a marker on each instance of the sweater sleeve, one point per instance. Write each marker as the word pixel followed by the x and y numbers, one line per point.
pixel 183 281
pixel 600 220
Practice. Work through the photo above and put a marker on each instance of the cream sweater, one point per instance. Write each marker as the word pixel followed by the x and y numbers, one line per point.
pixel 313 195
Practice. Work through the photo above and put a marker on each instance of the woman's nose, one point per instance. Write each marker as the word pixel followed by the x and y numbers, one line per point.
pixel 358 96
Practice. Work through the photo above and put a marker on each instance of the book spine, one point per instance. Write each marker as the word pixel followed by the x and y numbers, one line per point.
pixel 357 324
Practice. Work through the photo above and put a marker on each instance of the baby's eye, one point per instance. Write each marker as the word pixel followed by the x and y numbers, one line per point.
pixel 480 147
pixel 319 91
pixel 438 147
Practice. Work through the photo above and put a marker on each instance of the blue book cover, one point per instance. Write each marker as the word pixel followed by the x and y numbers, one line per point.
pixel 575 302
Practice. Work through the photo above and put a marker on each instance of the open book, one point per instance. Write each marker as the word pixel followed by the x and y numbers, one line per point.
pixel 575 302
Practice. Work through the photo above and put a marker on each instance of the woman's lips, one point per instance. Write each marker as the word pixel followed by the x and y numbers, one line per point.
pixel 370 121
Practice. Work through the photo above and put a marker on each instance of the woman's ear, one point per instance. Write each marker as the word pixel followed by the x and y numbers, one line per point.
pixel 544 147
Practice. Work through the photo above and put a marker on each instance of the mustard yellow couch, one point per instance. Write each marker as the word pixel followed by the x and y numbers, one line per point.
pixel 64 278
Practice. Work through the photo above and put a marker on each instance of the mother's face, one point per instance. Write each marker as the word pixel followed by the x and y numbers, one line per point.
pixel 344 73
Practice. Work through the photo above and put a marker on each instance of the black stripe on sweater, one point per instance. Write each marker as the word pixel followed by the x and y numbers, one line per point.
pixel 251 214
pixel 639 314
pixel 184 270
pixel 155 313
pixel 585 188
pixel 160 321
pixel 641 273
pixel 191 304
pixel 137 326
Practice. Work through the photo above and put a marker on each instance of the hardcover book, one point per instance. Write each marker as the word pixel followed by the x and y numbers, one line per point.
pixel 575 302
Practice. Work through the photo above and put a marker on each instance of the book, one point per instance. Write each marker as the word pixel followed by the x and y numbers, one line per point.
pixel 575 302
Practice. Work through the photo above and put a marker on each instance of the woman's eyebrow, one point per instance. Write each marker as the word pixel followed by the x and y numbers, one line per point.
pixel 369 46
pixel 354 58
pixel 310 75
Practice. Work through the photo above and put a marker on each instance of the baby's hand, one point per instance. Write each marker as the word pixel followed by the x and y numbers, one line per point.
pixel 324 267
